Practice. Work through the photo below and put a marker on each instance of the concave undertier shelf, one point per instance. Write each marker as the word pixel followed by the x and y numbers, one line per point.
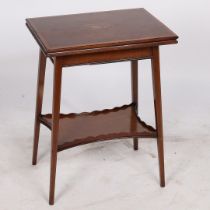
pixel 108 124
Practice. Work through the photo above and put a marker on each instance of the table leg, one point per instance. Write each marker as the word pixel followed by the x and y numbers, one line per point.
pixel 55 126
pixel 134 90
pixel 158 111
pixel 39 100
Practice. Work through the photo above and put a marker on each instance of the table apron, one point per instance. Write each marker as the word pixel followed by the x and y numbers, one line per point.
pixel 105 57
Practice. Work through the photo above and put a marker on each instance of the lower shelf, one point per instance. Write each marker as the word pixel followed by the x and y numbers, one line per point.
pixel 108 124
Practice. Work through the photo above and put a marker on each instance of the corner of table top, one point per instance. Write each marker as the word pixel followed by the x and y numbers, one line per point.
pixel 36 37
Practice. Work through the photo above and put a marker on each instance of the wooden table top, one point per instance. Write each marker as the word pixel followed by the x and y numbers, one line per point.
pixel 60 35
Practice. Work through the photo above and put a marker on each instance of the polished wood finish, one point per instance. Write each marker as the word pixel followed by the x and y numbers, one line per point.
pixel 58 35
pixel 39 99
pixel 55 125
pixel 134 92
pixel 108 124
pixel 158 111
pixel 107 57
pixel 103 37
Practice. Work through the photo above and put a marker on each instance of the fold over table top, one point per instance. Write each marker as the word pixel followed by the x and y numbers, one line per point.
pixel 81 33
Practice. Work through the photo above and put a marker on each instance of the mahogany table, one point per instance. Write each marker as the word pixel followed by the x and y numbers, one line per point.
pixel 91 38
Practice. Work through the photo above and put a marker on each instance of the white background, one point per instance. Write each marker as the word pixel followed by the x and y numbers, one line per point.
pixel 108 175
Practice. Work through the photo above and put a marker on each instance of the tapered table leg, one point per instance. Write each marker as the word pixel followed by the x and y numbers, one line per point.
pixel 39 100
pixel 158 111
pixel 134 90
pixel 55 126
